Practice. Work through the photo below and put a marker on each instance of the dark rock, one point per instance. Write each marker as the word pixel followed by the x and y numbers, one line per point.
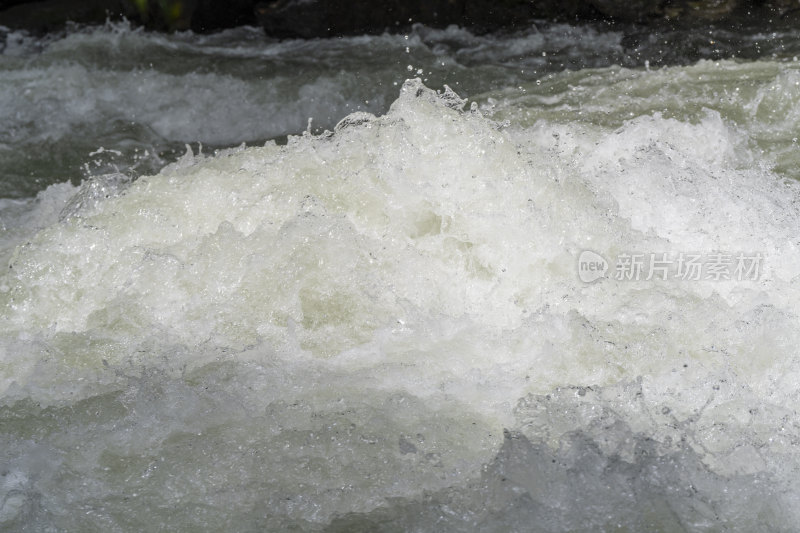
pixel 683 11
pixel 5 4
pixel 210 15
pixel 490 15
pixel 705 10
pixel 164 15
pixel 200 16
pixel 327 18
pixel 628 10
pixel 51 15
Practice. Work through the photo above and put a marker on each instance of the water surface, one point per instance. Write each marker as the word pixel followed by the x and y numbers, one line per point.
pixel 381 321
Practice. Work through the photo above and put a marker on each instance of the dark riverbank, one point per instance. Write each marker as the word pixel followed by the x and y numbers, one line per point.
pixel 327 18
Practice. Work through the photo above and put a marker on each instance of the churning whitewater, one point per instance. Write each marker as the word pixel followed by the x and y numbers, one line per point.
pixel 388 326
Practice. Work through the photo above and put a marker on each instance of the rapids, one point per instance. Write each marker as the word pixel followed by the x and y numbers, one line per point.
pixel 420 312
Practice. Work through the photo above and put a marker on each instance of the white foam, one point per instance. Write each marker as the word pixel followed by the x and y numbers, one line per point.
pixel 417 272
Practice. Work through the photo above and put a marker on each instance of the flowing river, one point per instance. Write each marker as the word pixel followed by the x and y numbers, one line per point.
pixel 541 281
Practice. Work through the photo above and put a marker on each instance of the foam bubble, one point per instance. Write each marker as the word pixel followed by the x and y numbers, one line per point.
pixel 356 316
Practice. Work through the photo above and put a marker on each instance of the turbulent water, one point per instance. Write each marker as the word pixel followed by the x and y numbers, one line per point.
pixel 559 293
